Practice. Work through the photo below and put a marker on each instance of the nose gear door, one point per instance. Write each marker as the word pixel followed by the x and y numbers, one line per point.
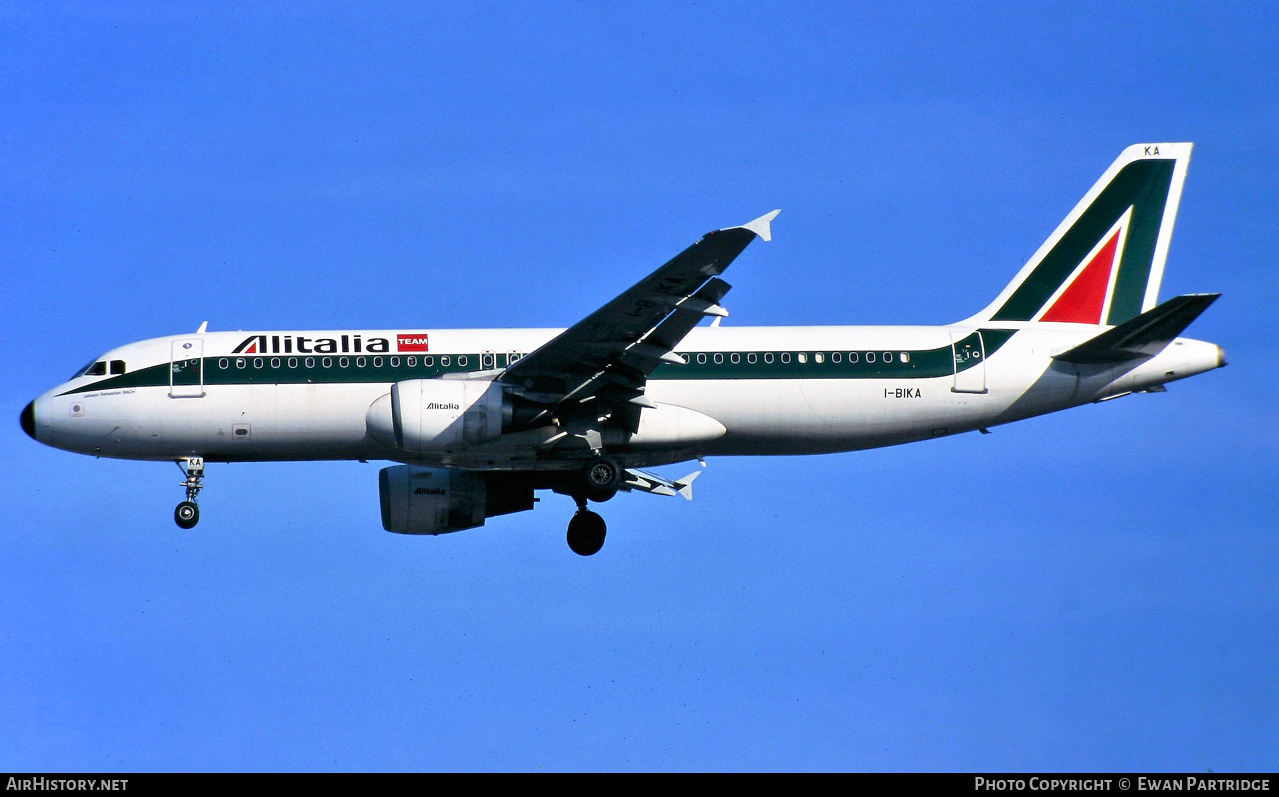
pixel 186 369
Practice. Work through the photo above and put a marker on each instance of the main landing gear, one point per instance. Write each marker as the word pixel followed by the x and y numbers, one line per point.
pixel 187 513
pixel 586 530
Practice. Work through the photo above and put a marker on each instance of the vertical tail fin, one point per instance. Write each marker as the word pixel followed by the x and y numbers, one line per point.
pixel 1104 263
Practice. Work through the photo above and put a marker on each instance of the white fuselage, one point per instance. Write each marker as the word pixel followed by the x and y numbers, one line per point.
pixel 774 390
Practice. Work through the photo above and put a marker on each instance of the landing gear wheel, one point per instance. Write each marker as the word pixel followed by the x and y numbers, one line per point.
pixel 586 533
pixel 602 476
pixel 187 514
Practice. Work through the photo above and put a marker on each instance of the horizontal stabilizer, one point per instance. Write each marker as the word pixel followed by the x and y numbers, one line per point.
pixel 1143 336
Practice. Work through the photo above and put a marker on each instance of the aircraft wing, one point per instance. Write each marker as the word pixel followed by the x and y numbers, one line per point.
pixel 609 353
pixel 657 485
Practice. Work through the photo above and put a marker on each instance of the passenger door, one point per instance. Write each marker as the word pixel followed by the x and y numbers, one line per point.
pixel 969 355
pixel 186 368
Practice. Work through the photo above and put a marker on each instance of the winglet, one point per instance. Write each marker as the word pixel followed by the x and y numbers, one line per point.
pixel 761 226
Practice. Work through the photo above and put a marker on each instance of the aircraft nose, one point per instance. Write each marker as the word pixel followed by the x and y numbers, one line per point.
pixel 28 420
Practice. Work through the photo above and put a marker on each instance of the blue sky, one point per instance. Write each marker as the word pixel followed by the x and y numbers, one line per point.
pixel 1088 591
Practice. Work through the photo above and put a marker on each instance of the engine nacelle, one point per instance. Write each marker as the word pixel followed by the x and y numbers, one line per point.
pixel 438 501
pixel 422 415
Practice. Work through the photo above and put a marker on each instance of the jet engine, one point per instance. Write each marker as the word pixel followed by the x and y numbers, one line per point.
pixel 421 415
pixel 419 500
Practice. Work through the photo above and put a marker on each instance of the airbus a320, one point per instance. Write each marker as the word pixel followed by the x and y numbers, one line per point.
pixel 481 419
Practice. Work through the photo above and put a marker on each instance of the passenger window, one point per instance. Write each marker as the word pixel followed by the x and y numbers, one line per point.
pixel 701 359
pixel 802 357
pixel 751 358
pixel 834 356
pixel 768 357
pixel 719 358
pixel 870 356
pixel 852 356
pixel 461 360
pixel 905 356
pixel 224 363
pixel 117 367
pixel 888 356
pixel 735 358
pixel 428 361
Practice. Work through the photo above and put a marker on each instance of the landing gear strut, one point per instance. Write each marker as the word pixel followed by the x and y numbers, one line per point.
pixel 187 513
pixel 586 531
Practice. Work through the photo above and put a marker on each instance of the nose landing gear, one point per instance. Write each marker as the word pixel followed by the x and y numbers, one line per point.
pixel 187 513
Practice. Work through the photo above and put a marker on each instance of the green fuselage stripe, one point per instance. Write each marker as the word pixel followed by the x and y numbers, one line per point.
pixel 275 370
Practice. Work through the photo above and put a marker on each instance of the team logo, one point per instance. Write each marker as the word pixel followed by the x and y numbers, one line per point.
pixel 413 342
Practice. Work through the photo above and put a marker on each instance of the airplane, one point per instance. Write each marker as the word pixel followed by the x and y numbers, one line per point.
pixel 481 419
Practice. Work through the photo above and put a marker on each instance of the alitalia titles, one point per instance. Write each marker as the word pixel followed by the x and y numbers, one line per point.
pixel 302 344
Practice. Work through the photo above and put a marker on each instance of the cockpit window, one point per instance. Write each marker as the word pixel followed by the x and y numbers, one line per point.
pixel 97 369
pixel 117 367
